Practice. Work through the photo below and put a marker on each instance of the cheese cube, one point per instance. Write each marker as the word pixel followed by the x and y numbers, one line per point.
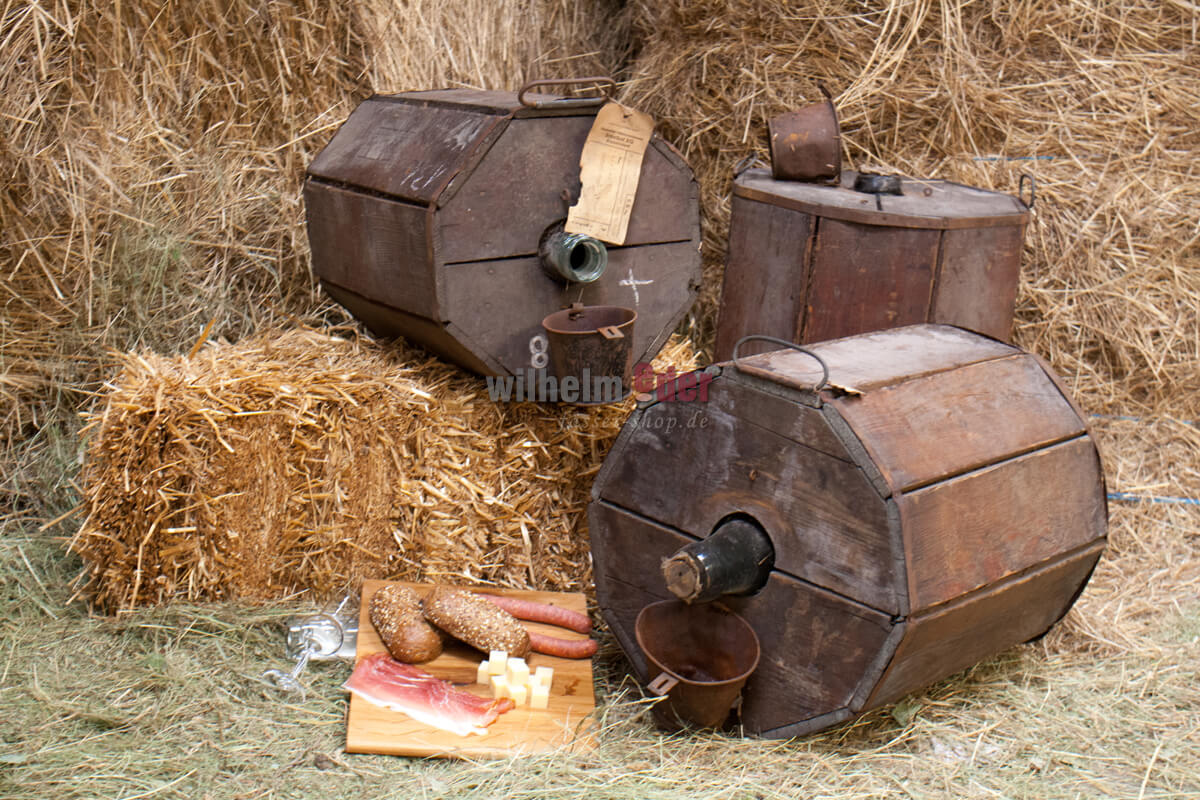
pixel 483 674
pixel 497 662
pixel 540 698
pixel 544 676
pixel 518 672
pixel 500 687
pixel 519 693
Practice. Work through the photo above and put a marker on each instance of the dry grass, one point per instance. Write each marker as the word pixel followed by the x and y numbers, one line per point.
pixel 1108 705
pixel 1104 94
pixel 152 157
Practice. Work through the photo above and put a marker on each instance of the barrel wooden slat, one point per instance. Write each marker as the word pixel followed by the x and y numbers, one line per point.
pixel 977 285
pixel 977 528
pixel 762 401
pixel 766 275
pixel 867 278
pixel 405 151
pixel 873 360
pixel 954 637
pixel 359 239
pixel 934 427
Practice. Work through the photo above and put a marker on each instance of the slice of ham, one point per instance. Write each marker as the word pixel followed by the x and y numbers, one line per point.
pixel 384 681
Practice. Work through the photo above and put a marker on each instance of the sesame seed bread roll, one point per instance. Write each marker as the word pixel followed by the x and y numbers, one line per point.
pixel 477 622
pixel 396 614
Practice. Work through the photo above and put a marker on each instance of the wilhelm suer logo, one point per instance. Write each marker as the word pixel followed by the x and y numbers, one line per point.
pixel 536 386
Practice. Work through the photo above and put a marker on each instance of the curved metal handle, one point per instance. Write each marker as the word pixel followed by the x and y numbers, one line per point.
pixel 1021 189
pixel 605 85
pixel 664 683
pixel 790 345
pixel 746 163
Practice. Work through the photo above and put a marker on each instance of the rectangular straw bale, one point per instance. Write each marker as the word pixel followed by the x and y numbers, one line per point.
pixel 303 460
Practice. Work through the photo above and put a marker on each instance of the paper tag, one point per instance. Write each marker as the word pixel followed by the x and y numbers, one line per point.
pixel 609 169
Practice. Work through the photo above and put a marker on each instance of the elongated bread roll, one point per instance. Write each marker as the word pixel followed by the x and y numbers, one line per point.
pixel 396 614
pixel 477 622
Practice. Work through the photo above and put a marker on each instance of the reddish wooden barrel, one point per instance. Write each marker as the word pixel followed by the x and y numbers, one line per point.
pixel 809 262
pixel 938 501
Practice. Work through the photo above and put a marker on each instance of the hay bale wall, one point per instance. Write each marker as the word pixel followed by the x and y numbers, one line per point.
pixel 1098 99
pixel 152 156
pixel 300 460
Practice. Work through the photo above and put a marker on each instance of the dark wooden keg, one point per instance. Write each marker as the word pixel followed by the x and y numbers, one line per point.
pixel 426 212
pixel 938 500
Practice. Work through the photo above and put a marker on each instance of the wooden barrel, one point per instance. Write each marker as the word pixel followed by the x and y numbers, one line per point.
pixel 938 501
pixel 426 212
pixel 809 262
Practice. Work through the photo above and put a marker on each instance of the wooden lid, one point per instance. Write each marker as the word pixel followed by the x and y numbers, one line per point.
pixel 931 203
pixel 869 361
pixel 410 146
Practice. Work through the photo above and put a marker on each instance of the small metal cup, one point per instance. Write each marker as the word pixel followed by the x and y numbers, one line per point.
pixel 806 144
pixel 594 345
pixel 700 657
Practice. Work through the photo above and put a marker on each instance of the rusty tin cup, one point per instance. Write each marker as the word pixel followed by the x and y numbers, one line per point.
pixel 806 144
pixel 593 345
pixel 700 656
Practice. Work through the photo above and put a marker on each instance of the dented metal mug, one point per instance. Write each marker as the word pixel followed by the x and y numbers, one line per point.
pixel 806 144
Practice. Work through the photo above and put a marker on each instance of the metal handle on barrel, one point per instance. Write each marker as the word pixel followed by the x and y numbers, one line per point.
pixel 604 84
pixel 790 345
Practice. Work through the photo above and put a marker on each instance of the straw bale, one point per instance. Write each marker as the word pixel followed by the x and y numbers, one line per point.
pixel 1098 99
pixel 152 156
pixel 304 460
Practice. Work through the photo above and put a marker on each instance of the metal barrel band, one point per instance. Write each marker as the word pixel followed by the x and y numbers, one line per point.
pixel 791 346
pixel 604 84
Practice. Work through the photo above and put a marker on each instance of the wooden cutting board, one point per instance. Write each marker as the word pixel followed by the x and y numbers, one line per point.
pixel 566 723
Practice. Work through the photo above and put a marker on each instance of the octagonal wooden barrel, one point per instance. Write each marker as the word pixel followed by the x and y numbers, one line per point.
pixel 939 500
pixel 428 213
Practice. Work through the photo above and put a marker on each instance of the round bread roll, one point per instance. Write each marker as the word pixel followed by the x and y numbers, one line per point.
pixel 396 614
pixel 476 621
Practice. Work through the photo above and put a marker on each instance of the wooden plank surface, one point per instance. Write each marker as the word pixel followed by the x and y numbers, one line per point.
pixel 765 275
pixel 872 360
pixel 502 319
pixel 955 636
pixel 372 246
pixel 928 429
pixel 403 150
pixel 986 525
pixel 777 410
pixel 564 724
pixel 690 465
pixel 977 282
pixel 931 204
pixel 867 278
